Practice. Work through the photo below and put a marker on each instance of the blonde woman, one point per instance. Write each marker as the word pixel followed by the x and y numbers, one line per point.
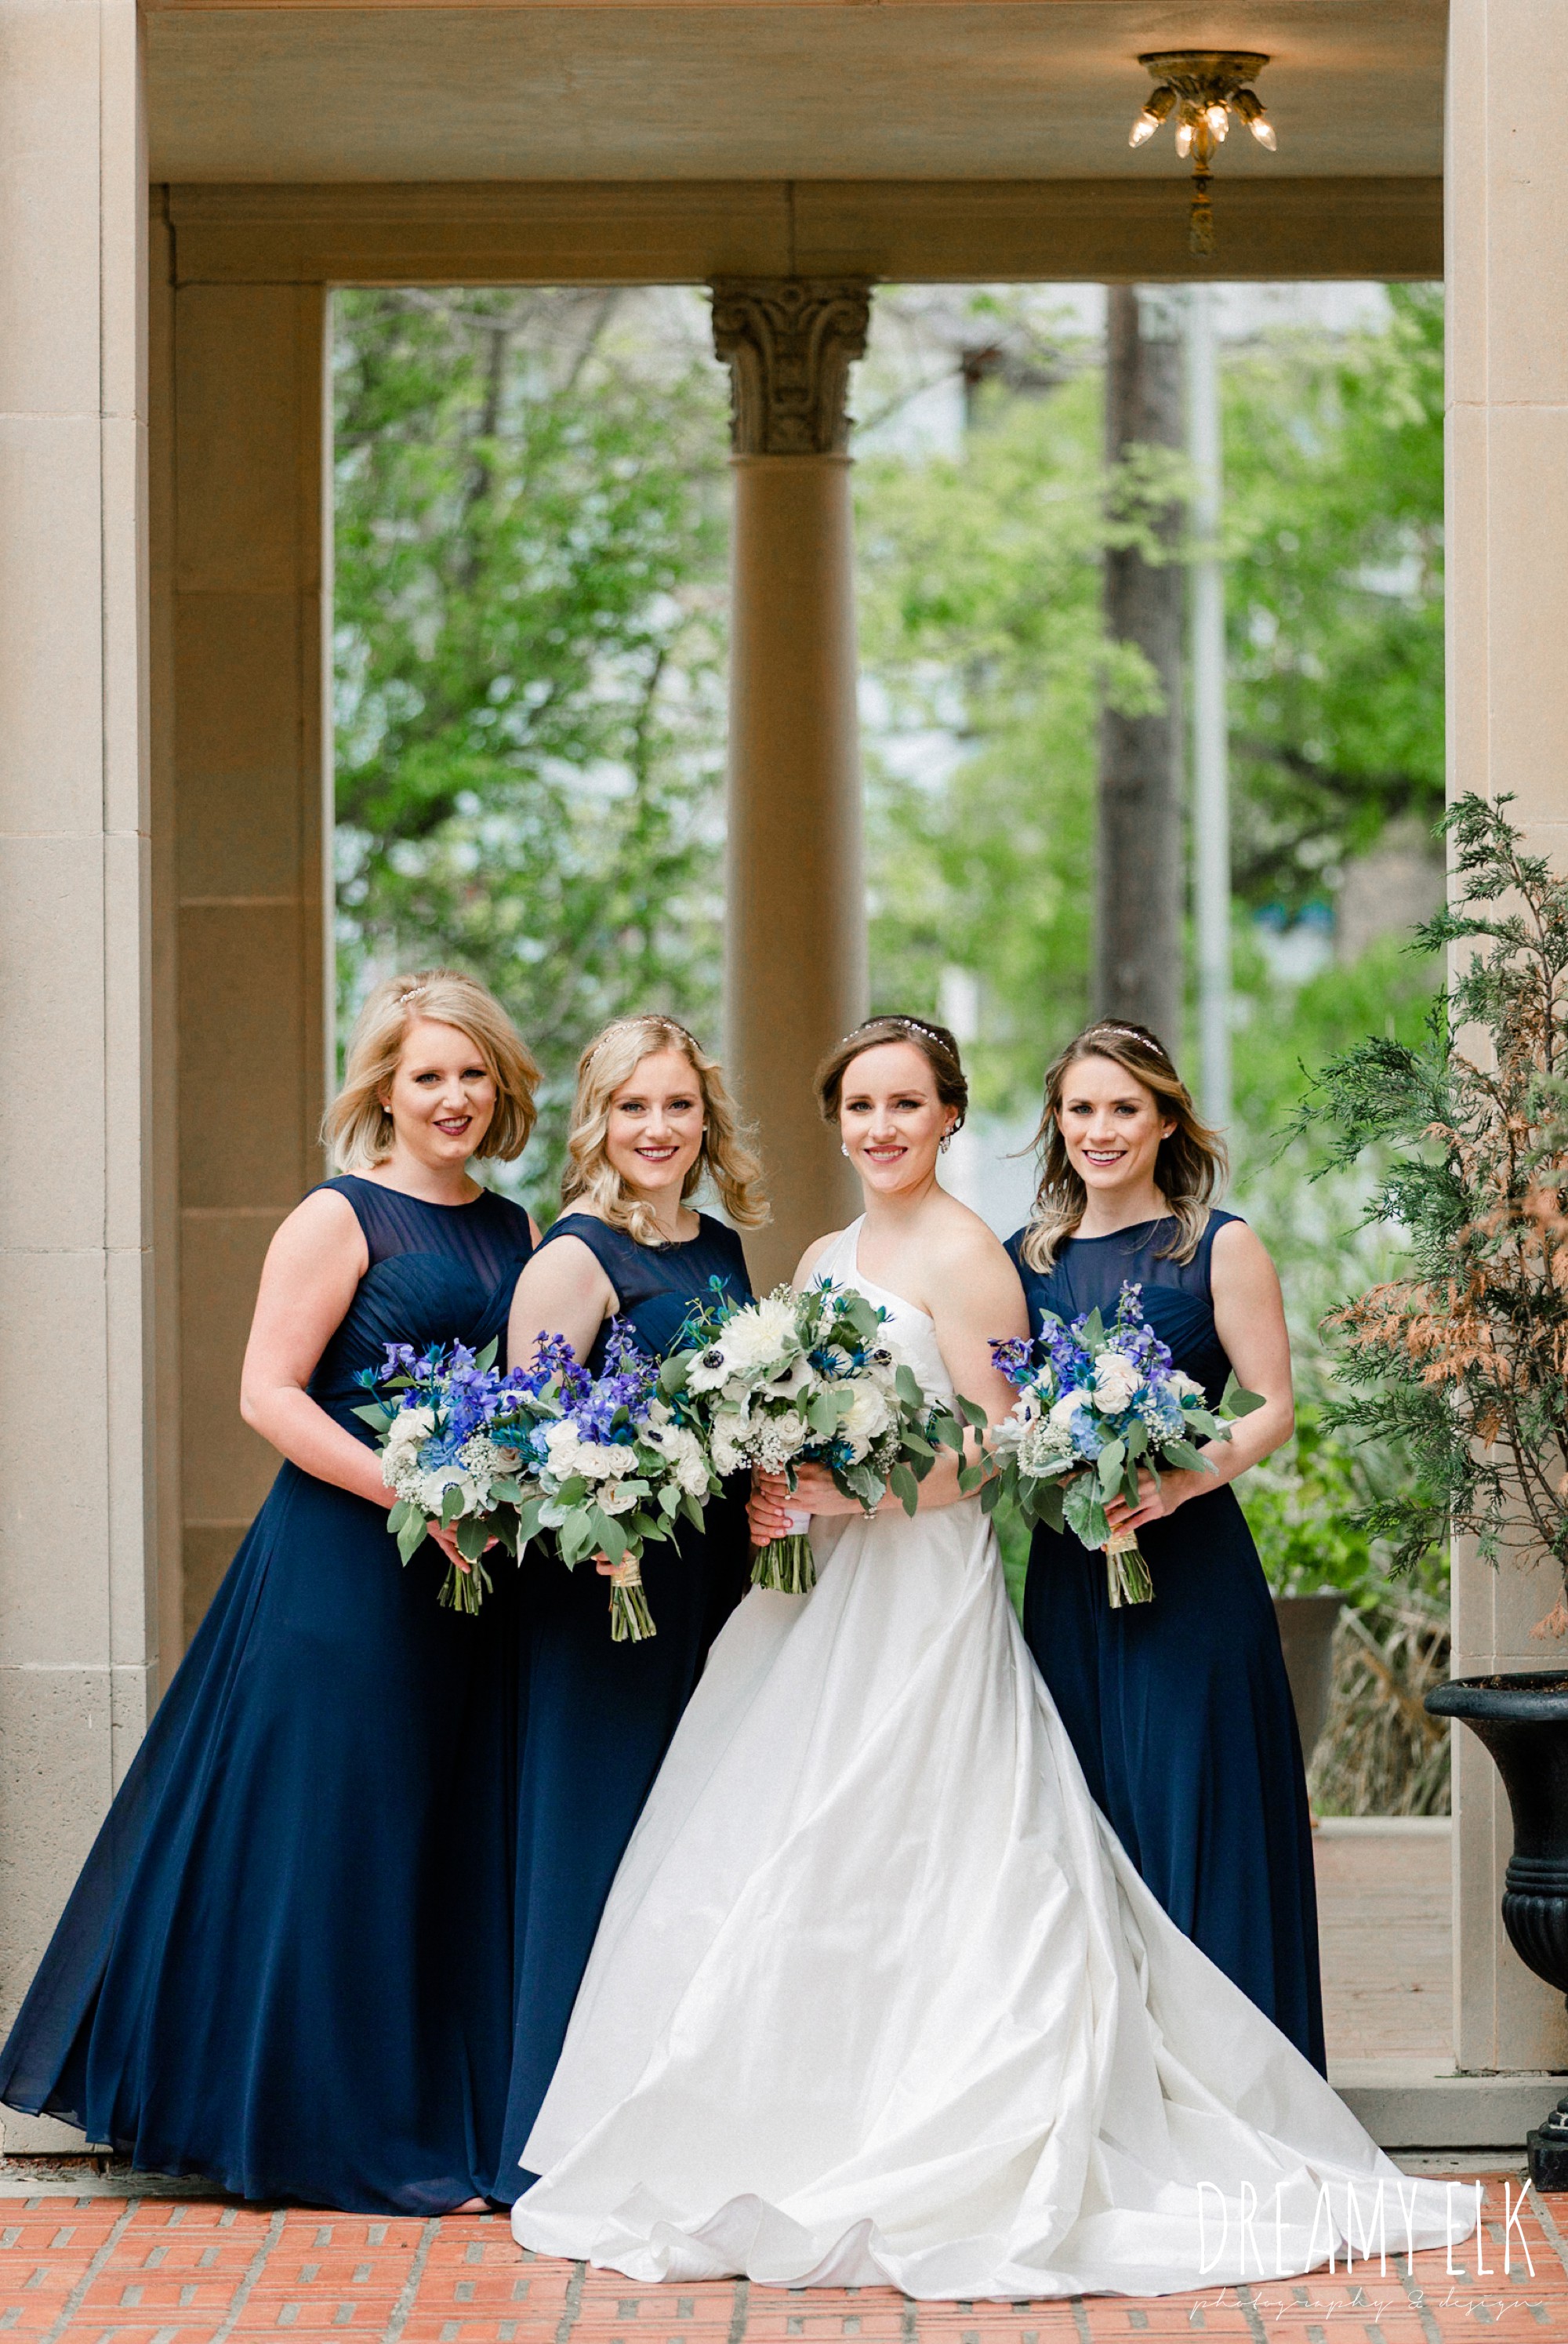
pixel 1179 1710
pixel 286 1966
pixel 652 1118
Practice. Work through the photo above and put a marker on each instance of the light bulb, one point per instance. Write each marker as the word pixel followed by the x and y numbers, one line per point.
pixel 1218 119
pixel 1249 106
pixel 1184 139
pixel 1156 106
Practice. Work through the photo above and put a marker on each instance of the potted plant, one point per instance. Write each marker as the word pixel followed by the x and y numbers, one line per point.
pixel 1464 1360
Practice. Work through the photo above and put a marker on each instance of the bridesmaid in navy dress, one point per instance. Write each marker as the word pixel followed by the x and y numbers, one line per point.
pixel 1179 1710
pixel 652 1117
pixel 286 1966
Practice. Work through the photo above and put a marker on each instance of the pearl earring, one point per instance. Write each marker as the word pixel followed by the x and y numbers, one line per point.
pixel 843 1148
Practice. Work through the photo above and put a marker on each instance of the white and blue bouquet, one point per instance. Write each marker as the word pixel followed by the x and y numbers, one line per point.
pixel 811 1379
pixel 439 1457
pixel 611 1464
pixel 603 1464
pixel 1096 1402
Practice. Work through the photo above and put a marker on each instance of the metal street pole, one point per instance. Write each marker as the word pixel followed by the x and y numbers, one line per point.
pixel 1210 763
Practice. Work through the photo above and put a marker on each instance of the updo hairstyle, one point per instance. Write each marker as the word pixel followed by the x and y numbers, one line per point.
pixel 935 1044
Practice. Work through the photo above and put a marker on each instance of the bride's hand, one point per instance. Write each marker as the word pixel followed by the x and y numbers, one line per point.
pixel 767 1508
pixel 1176 1485
pixel 815 1488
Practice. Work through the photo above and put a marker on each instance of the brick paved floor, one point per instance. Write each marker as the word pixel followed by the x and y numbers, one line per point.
pixel 105 2270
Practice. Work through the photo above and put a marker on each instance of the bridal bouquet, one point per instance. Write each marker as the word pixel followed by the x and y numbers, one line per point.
pixel 1096 1403
pixel 440 1458
pixel 810 1378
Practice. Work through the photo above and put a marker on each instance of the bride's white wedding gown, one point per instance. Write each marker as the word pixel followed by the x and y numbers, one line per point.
pixel 878 1999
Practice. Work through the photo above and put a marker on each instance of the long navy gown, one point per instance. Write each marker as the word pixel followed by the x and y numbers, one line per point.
pixel 286 1966
pixel 1180 1710
pixel 601 1716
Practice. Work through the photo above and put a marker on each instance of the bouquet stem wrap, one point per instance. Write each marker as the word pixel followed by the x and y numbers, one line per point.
pixel 631 1622
pixel 788 1566
pixel 1126 1579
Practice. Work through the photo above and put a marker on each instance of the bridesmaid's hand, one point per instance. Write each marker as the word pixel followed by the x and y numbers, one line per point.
pixel 1176 1485
pixel 447 1540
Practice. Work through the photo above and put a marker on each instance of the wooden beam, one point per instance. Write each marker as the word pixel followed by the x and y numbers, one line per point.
pixel 629 232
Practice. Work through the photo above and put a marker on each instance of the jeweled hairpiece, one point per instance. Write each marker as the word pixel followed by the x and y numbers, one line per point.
pixel 641 1017
pixel 910 1024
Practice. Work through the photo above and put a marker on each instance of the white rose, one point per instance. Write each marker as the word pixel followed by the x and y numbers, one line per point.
pixel 614 1498
pixel 1185 1387
pixel 1116 1382
pixel 1064 1409
pixel 869 1417
pixel 728 1433
pixel 409 1429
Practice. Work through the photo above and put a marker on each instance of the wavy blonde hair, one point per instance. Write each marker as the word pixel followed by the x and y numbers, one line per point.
pixel 1189 1171
pixel 356 1127
pixel 611 1059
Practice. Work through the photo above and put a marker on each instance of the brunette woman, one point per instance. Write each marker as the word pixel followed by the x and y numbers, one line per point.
pixel 652 1119
pixel 287 1964
pixel 1179 1710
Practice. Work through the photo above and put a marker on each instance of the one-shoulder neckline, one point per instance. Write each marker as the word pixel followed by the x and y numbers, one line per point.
pixel 385 1188
pixel 859 1277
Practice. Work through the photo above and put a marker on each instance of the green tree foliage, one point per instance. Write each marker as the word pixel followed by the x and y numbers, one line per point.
pixel 981 629
pixel 1333 457
pixel 529 605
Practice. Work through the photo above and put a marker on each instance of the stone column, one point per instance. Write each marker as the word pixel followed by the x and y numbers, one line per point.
pixel 251 775
pixel 79 1562
pixel 794 931
pixel 1506 193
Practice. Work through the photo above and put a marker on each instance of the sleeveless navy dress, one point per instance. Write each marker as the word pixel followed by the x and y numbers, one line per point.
pixel 601 1716
pixel 1180 1710
pixel 286 1966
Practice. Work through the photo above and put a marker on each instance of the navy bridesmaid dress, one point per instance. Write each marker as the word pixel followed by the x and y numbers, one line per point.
pixel 286 1966
pixel 601 1716
pixel 1180 1710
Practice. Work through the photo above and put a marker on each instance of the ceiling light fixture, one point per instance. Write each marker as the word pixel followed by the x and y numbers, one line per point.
pixel 1202 87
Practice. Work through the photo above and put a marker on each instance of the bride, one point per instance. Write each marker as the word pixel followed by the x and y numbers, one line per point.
pixel 877 1999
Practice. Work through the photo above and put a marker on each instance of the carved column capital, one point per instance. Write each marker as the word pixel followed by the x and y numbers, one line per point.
pixel 789 343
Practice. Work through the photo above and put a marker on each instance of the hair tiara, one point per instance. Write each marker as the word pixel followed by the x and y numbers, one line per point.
pixel 641 1017
pixel 910 1025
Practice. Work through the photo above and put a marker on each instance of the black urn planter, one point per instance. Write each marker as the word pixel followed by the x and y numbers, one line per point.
pixel 1523 1722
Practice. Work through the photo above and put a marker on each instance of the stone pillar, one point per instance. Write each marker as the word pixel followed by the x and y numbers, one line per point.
pixel 78 1565
pixel 794 932
pixel 1141 867
pixel 1506 194
pixel 251 773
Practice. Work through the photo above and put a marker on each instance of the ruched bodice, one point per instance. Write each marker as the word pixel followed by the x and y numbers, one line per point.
pixel 1178 1297
pixel 436 1274
pixel 656 1286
